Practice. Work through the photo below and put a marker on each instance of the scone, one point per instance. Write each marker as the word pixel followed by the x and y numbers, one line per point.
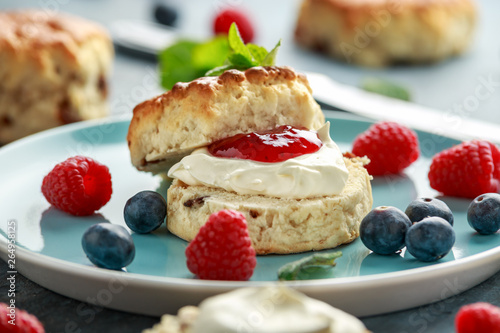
pixel 54 71
pixel 278 309
pixel 310 201
pixel 385 32
pixel 278 225
pixel 191 115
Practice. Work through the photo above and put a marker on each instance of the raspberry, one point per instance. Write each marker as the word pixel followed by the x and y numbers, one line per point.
pixel 78 186
pixel 23 323
pixel 391 147
pixel 478 317
pixel 466 170
pixel 222 249
pixel 225 18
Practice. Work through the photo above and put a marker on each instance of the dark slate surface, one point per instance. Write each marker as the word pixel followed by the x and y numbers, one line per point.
pixel 61 314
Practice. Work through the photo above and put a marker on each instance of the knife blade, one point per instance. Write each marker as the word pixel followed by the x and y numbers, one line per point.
pixel 378 107
pixel 142 37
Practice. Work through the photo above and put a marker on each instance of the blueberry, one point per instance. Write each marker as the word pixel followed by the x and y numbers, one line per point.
pixel 383 229
pixel 421 208
pixel 145 211
pixel 165 14
pixel 108 246
pixel 430 239
pixel 483 213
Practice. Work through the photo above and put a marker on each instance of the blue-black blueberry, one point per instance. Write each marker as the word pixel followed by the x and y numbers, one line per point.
pixel 421 208
pixel 145 211
pixel 430 239
pixel 483 213
pixel 108 246
pixel 383 229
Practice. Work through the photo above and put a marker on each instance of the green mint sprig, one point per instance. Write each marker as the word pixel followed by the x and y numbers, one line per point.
pixel 187 60
pixel 243 56
pixel 309 267
pixel 386 88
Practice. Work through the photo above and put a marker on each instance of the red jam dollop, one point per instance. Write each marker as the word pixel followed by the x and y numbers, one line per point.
pixel 276 145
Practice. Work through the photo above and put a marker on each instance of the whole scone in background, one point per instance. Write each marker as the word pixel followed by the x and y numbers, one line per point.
pixel 54 70
pixel 385 32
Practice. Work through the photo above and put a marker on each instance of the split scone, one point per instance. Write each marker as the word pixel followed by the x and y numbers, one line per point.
pixel 385 32
pixel 54 71
pixel 309 202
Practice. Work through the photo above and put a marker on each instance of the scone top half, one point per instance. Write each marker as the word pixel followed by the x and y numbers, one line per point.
pixel 194 114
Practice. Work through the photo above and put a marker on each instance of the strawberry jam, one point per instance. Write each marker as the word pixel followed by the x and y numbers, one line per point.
pixel 276 145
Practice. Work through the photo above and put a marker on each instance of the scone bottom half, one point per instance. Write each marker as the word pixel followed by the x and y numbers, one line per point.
pixel 277 225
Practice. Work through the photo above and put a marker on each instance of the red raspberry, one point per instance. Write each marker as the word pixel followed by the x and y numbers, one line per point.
pixel 466 170
pixel 78 186
pixel 23 323
pixel 478 317
pixel 222 249
pixel 391 147
pixel 225 18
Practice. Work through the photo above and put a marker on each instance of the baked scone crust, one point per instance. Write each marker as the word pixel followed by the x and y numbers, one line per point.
pixel 194 114
pixel 278 225
pixel 54 71
pixel 385 32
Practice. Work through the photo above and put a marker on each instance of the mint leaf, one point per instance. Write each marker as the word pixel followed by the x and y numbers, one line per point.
pixel 176 64
pixel 211 53
pixel 270 58
pixel 237 45
pixel 310 267
pixel 243 56
pixel 187 60
pixel 385 88
pixel 259 53
pixel 239 61
pixel 218 70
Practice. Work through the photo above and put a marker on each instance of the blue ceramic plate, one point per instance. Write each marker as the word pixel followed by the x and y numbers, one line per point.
pixel 49 241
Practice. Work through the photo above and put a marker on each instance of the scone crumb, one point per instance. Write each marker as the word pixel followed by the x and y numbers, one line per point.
pixel 349 154
pixel 364 160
